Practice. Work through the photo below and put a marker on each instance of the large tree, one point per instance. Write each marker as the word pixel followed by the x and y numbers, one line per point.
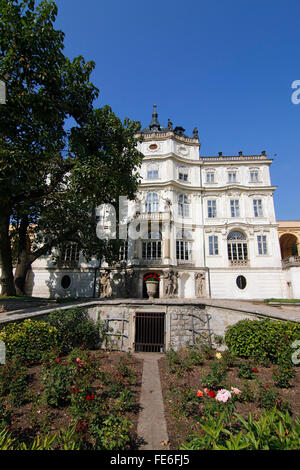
pixel 51 179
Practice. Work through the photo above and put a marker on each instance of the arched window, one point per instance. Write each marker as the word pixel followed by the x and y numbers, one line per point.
pixel 152 246
pixel 152 204
pixel 183 206
pixel 237 246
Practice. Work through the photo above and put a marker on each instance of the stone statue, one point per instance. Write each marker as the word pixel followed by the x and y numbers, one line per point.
pixel 168 204
pixel 170 125
pixel 195 133
pixel 105 287
pixel 175 283
pixel 168 284
pixel 171 284
pixel 200 285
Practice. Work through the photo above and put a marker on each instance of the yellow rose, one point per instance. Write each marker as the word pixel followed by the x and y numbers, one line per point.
pixel 219 356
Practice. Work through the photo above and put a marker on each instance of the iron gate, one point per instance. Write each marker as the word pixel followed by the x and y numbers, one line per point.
pixel 150 331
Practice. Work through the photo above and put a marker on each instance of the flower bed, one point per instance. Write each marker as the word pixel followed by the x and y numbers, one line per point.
pixel 209 393
pixel 92 395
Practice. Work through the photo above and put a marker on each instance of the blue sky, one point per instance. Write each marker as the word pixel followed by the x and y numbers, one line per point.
pixel 225 67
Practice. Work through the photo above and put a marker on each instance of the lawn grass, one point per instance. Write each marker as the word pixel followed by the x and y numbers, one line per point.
pixel 283 301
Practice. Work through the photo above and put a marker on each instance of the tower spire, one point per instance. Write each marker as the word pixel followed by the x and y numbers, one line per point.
pixel 154 124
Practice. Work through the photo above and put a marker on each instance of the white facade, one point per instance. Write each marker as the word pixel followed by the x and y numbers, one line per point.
pixel 212 216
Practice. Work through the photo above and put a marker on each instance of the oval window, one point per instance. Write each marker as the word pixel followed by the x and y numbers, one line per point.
pixel 66 282
pixel 153 147
pixel 241 282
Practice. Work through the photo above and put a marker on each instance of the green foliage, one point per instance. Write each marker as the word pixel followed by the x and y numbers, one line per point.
pixel 283 375
pixel 5 414
pixel 57 380
pixel 75 328
pixel 215 378
pixel 40 160
pixel 112 433
pixel 28 340
pixel 194 356
pixel 274 430
pixel 246 371
pixel 267 338
pixel 65 439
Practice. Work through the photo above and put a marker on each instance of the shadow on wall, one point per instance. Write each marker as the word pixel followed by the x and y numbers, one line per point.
pixel 66 284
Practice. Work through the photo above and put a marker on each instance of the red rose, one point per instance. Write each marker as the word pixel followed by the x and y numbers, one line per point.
pixel 255 370
pixel 211 394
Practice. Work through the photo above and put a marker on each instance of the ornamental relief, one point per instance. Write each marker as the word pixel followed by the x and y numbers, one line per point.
pixel 183 150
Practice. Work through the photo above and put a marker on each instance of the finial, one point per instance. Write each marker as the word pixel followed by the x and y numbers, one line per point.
pixel 154 124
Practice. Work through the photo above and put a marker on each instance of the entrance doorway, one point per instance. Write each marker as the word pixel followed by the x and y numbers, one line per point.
pixel 149 331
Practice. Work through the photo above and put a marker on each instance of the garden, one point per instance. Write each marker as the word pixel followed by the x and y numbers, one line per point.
pixel 242 397
pixel 60 390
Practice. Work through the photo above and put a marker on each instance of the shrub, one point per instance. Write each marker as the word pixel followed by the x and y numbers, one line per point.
pixel 28 340
pixel 13 382
pixel 215 378
pixel 274 430
pixel 75 328
pixel 283 375
pixel 112 433
pixel 57 381
pixel 194 356
pixel 246 371
pixel 267 338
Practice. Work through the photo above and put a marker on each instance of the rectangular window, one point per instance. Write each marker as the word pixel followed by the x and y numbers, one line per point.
pixel 124 251
pixel 183 176
pixel 183 250
pixel 257 206
pixel 235 208
pixel 254 176
pixel 211 208
pixel 210 177
pixel 151 174
pixel 151 250
pixel 262 245
pixel 232 177
pixel 213 245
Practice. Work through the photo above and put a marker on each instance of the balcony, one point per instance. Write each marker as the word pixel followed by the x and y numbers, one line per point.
pixel 239 263
pixel 155 216
pixel 185 262
pixel 291 261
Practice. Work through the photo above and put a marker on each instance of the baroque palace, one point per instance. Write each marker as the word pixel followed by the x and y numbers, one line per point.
pixel 207 229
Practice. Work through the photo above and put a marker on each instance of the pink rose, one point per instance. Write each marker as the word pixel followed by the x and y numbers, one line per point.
pixel 223 395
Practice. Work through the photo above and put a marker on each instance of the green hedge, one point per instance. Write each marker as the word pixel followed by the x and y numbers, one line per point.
pixel 29 339
pixel 262 339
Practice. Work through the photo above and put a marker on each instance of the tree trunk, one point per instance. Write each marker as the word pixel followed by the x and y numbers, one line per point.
pixel 7 278
pixel 24 257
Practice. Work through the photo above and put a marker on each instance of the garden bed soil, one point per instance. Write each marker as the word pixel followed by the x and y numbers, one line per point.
pixel 181 428
pixel 34 417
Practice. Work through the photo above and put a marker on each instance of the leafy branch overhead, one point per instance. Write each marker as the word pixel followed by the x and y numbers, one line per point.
pixel 52 176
